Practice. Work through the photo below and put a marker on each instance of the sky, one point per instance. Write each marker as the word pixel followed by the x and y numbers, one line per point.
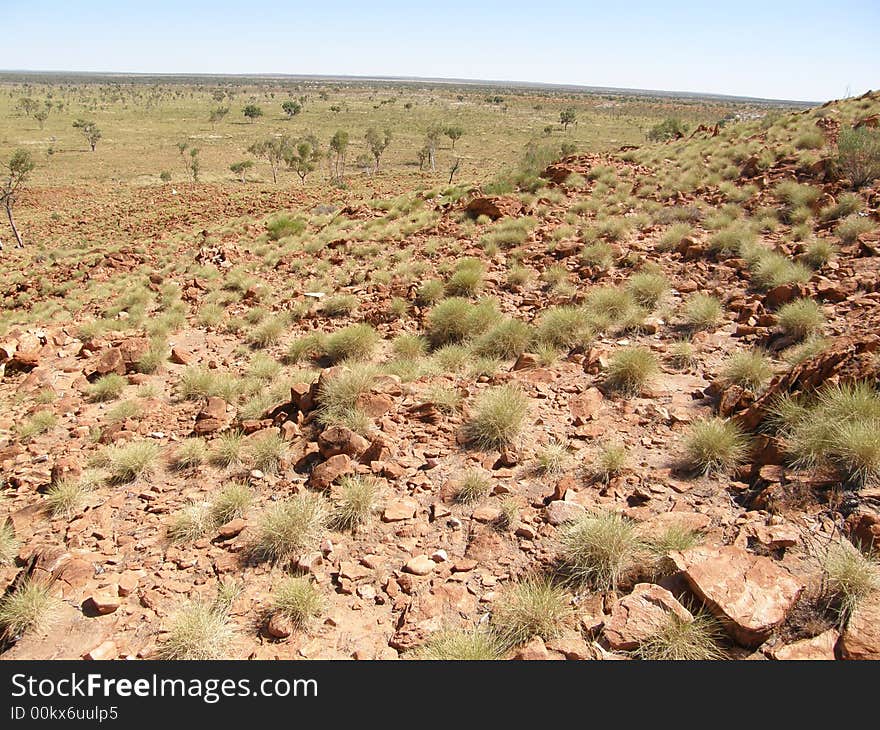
pixel 811 51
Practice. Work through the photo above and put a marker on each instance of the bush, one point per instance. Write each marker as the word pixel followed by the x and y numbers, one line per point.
pixel 507 339
pixel 107 387
pixel 285 225
pixel 682 354
pixel 669 128
pixel 681 640
pixel 702 311
pixel 475 644
pixel 850 577
pixel 189 524
pixel 456 319
pixel 357 342
pixel 715 445
pixel 298 600
pixel 800 318
pixel 531 607
pixel 41 422
pixel 858 155
pixel 562 327
pixel 631 369
pixel 750 370
pixel 430 292
pixel 819 252
pixel 226 449
pixel 191 452
pixel 409 346
pixel 290 526
pixel 8 543
pixel 473 486
pixel 498 417
pixel 337 395
pixel 65 497
pixel 647 288
pixel 27 607
pixel 853 226
pixel 267 333
pixel 355 503
pixel 467 279
pixel 339 305
pixel 127 462
pixel 610 461
pixel 553 458
pixel 231 502
pixel 266 452
pixel 198 632
pixel 599 549
pixel 772 269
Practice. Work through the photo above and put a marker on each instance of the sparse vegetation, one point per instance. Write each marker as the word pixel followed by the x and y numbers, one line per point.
pixel 498 417
pixel 715 445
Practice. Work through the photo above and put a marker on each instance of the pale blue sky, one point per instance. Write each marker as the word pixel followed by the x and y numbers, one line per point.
pixel 794 50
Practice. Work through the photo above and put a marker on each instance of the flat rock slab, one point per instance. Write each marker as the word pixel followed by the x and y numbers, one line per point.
pixel 640 616
pixel 818 648
pixel 751 594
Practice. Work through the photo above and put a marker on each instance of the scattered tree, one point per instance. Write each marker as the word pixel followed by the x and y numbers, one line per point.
pixel 19 167
pixel 291 108
pixel 567 116
pixel 252 111
pixel 339 144
pixel 431 139
pixel 41 115
pixel 194 164
pixel 377 142
pixel 218 114
pixel 671 128
pixel 454 169
pixel 28 105
pixel 454 133
pixel 303 157
pixel 241 169
pixel 364 162
pixel 89 130
pixel 272 149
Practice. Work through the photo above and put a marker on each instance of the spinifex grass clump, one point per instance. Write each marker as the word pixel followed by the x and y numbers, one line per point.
pixel 531 607
pixel 600 549
pixel 631 370
pixel 498 417
pixel 839 426
pixel 715 445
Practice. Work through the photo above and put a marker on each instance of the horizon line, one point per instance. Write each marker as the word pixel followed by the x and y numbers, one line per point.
pixel 419 79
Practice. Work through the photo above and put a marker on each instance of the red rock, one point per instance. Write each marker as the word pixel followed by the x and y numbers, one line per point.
pixel 279 626
pixel 861 638
pixel 819 647
pixel 526 361
pixel 534 650
pixel 494 207
pixel 340 440
pixel 375 405
pixel 640 615
pixel 104 603
pixel 215 408
pixel 486 513
pixel 231 528
pixel 126 584
pixel 559 512
pixel 585 406
pixel 104 651
pixel 179 356
pixel 323 475
pixel 750 593
pixel 400 509
pixel 420 565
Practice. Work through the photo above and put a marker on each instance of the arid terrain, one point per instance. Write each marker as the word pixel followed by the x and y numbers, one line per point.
pixel 606 391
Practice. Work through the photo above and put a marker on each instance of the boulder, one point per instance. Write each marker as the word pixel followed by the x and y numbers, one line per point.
pixel 819 647
pixel 494 207
pixel 640 615
pixel 861 639
pixel 750 593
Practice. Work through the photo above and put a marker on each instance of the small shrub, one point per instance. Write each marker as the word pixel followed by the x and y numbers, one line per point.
pixel 528 608
pixel 107 387
pixel 849 576
pixel 553 458
pixel 8 543
pixel 126 462
pixel 290 526
pixel 562 327
pixel 65 497
pixel 285 225
pixel 507 339
pixel 226 449
pixel 355 503
pixel 357 342
pixel 599 549
pixel 858 155
pixel 474 644
pixel 266 452
pixel 702 311
pixel 715 445
pixel 631 370
pixel 298 600
pixel 648 289
pixel 409 346
pixel 456 319
pixel 430 292
pixel 610 462
pixel 853 226
pixel 498 417
pixel 26 608
pixel 473 486
pixel 190 523
pixel 231 502
pixel 801 318
pixel 819 252
pixel 198 632
pixel 682 640
pixel 267 333
pixel 190 453
pixel 750 370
